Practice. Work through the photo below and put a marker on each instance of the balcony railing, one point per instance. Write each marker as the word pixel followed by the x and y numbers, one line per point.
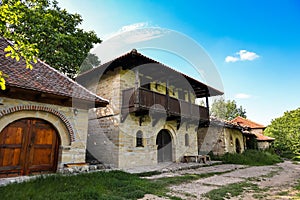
pixel 142 100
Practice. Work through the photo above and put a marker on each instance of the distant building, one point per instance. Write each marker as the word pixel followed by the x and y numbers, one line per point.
pixel 221 137
pixel 252 128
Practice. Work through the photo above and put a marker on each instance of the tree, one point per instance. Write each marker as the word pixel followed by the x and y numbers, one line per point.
pixel 10 14
pixel 227 110
pixel 39 28
pixel 286 131
pixel 90 62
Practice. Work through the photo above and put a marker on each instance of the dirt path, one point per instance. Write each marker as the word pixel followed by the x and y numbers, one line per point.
pixel 274 182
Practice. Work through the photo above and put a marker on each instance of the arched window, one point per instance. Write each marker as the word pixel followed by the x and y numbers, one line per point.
pixel 187 142
pixel 139 139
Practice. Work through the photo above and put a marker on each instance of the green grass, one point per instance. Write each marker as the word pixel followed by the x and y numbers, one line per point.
pixel 283 193
pixel 176 180
pixel 231 190
pixel 101 185
pixel 98 185
pixel 146 174
pixel 297 187
pixel 252 158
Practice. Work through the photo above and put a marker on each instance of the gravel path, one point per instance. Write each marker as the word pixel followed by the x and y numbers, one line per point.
pixel 276 182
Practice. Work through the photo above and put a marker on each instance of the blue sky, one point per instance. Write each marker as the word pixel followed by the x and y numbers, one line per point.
pixel 254 45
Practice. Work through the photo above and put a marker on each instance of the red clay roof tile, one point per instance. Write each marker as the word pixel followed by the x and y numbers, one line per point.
pixel 42 78
pixel 247 123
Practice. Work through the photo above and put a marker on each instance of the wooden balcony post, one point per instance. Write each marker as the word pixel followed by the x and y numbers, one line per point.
pixel 207 103
pixel 167 96
pixel 190 103
pixel 137 86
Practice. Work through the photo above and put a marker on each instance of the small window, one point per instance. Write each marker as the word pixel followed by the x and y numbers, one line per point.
pixel 231 140
pixel 187 142
pixel 139 139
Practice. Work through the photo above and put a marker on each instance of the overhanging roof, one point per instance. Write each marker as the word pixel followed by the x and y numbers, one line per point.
pixel 134 59
pixel 43 80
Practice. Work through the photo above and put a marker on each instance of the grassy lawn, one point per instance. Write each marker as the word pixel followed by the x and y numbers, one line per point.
pixel 98 185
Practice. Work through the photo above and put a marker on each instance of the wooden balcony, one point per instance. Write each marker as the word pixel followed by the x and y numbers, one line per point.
pixel 141 101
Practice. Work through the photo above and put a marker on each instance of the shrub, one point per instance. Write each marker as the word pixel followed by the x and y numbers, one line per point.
pixel 251 157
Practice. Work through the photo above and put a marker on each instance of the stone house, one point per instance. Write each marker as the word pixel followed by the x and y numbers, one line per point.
pixel 152 116
pixel 43 118
pixel 221 137
pixel 251 129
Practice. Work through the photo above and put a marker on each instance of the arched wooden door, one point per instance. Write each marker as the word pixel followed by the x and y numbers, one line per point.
pixel 164 146
pixel 28 146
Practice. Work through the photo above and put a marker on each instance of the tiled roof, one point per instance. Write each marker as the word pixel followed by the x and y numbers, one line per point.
pixel 247 123
pixel 234 124
pixel 42 78
pixel 134 58
pixel 261 137
pixel 227 124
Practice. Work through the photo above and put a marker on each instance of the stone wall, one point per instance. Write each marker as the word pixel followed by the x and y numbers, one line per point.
pixel 130 155
pixel 211 139
pixel 103 137
pixel 231 136
pixel 219 140
pixel 72 128
pixel 263 145
pixel 257 131
pixel 103 131
pixel 114 143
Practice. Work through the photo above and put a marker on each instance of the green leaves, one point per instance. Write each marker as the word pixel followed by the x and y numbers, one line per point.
pixel 62 44
pixel 2 81
pixel 227 110
pixel 286 131
pixel 90 62
pixel 40 29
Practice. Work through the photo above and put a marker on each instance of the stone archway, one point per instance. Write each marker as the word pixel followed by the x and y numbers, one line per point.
pixel 28 146
pixel 164 146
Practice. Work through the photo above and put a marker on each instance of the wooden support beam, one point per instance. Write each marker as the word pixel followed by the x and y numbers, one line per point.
pixel 207 103
pixel 136 87
pixel 167 95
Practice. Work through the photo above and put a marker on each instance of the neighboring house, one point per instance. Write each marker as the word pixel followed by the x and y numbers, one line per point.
pixel 221 137
pixel 43 118
pixel 253 128
pixel 152 116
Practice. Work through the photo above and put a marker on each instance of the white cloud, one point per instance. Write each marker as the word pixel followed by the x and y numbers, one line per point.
pixel 242 55
pixel 127 28
pixel 131 27
pixel 231 59
pixel 247 55
pixel 242 96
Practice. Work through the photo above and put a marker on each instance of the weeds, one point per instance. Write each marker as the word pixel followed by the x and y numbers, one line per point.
pixel 146 174
pixel 251 157
pixel 231 190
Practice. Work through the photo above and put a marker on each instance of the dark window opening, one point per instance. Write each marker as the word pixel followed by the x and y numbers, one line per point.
pixel 139 139
pixel 187 140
